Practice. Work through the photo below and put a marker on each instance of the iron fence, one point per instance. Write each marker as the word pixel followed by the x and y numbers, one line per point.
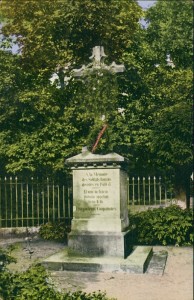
pixel 34 201
pixel 148 191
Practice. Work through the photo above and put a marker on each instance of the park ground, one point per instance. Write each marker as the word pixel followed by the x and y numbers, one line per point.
pixel 176 283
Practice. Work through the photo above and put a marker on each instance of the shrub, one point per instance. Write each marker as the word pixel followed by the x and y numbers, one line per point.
pixel 83 296
pixel 163 226
pixel 54 231
pixel 5 275
pixel 5 258
pixel 35 284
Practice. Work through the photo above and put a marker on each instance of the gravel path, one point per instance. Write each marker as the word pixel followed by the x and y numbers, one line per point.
pixel 175 284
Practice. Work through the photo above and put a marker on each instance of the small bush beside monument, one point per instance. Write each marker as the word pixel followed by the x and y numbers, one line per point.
pixel 160 226
pixel 163 226
pixel 56 231
pixel 35 283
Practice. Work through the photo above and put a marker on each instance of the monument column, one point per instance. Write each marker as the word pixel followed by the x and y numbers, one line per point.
pixel 100 212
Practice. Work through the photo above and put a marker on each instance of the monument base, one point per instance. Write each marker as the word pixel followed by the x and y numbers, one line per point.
pixel 137 262
pixel 96 244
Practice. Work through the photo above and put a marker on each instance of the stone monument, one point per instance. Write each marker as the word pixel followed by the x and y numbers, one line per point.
pixel 100 218
pixel 100 213
pixel 99 238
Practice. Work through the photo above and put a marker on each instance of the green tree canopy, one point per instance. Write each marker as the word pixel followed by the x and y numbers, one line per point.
pixel 159 101
pixel 51 124
pixel 42 125
pixel 170 31
pixel 62 32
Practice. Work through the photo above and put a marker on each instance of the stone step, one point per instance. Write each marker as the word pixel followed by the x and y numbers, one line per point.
pixel 139 259
pixel 137 262
pixel 157 263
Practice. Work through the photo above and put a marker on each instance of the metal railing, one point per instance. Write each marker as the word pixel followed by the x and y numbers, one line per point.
pixel 34 201
pixel 147 191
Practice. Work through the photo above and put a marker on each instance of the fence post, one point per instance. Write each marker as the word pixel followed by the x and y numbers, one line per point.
pixel 133 180
pixel 58 197
pixel 48 207
pixel 138 188
pixel 27 202
pixel 0 206
pixel 16 199
pixel 53 206
pixel 43 206
pixel 155 190
pixel 128 201
pixel 69 202
pixel 144 191
pixel 32 179
pixel 64 201
pixel 38 202
pixel 149 191
pixel 6 201
pixel 166 202
pixel 160 190
pixel 22 200
pixel 11 201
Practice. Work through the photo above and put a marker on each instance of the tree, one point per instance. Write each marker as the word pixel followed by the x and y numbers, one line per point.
pixel 38 128
pixel 64 32
pixel 51 124
pixel 170 31
pixel 158 100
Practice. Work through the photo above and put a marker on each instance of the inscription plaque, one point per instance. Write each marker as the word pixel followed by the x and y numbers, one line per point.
pixel 95 193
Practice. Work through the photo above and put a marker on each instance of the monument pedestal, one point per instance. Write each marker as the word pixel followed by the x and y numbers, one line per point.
pixel 100 212
pixel 99 240
pixel 113 244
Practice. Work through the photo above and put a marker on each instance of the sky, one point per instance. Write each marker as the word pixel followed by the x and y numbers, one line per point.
pixel 146 3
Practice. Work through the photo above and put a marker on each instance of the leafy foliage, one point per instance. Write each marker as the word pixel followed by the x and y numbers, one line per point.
pixel 54 231
pixel 50 124
pixel 5 259
pixel 84 296
pixel 5 275
pixel 42 125
pixel 170 31
pixel 163 226
pixel 65 31
pixel 158 100
pixel 33 283
pixel 36 284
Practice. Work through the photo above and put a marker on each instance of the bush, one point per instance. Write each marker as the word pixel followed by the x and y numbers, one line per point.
pixel 35 284
pixel 5 275
pixel 83 296
pixel 162 226
pixel 54 231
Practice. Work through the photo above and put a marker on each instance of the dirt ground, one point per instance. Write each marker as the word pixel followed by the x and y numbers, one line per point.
pixel 175 284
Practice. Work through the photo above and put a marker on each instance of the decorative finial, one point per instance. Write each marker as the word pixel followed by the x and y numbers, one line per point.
pixel 98 55
pixel 169 61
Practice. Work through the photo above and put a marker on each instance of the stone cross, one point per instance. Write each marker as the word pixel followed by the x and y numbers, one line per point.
pixel 98 57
